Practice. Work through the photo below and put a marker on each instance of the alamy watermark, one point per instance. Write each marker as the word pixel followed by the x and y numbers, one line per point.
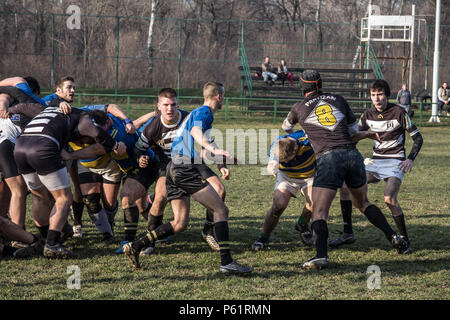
pixel 374 281
pixel 74 280
pixel 74 21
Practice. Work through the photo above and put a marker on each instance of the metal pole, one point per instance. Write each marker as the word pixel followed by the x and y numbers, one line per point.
pixel 427 58
pixel 52 71
pixel 117 55
pixel 179 57
pixel 434 107
pixel 303 45
pixel 411 60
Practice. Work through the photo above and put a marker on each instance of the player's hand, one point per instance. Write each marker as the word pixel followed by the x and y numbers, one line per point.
pixel 66 155
pixel 225 173
pixel 373 135
pixel 121 149
pixel 143 161
pixel 64 107
pixel 4 114
pixel 130 128
pixel 272 167
pixel 406 165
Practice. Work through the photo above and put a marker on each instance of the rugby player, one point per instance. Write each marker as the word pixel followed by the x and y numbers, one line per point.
pixel 389 161
pixel 292 161
pixel 184 180
pixel 38 157
pixel 330 125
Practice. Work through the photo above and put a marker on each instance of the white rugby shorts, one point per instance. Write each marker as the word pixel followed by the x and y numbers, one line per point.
pixel 384 168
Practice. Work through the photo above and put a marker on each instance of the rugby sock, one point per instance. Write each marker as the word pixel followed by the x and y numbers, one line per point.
pixel 163 231
pixel 77 209
pixel 53 237
pixel 222 234
pixel 111 214
pixel 305 217
pixel 320 228
pixel 154 222
pixel 100 220
pixel 376 217
pixel 130 219
pixel 144 213
pixel 8 251
pixel 346 209
pixel 43 230
pixel 400 223
pixel 209 223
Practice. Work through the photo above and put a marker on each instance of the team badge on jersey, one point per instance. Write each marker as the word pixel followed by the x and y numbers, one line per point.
pixel 325 115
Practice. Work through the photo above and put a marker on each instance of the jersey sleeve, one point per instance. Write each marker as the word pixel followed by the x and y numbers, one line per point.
pixel 202 119
pixel 362 125
pixel 91 108
pixel 300 137
pixel 408 124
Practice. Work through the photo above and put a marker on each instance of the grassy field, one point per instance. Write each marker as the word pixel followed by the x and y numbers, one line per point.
pixel 187 269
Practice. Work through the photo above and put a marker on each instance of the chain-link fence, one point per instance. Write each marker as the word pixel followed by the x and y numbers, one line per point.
pixel 112 52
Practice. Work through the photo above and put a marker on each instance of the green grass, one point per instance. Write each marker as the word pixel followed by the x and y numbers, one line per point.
pixel 187 269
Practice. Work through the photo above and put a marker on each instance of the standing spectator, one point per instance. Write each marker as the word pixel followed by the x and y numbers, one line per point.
pixel 404 99
pixel 283 73
pixel 443 98
pixel 268 75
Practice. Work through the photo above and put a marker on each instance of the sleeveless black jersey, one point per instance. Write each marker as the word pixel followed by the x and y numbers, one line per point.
pixel 53 124
pixel 18 96
pixel 326 119
pixel 159 136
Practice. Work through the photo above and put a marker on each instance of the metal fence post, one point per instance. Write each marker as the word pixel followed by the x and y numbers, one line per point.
pixel 275 102
pixel 52 71
pixel 303 45
pixel 226 108
pixel 128 105
pixel 421 113
pixel 117 55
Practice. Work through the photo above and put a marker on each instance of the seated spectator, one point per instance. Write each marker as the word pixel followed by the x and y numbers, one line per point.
pixel 283 73
pixel 268 75
pixel 443 98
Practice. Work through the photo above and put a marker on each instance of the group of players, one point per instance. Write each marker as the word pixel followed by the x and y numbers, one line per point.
pixel 43 140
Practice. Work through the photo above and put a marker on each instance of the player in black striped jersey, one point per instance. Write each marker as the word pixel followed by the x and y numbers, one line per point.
pixel 389 161
pixel 38 158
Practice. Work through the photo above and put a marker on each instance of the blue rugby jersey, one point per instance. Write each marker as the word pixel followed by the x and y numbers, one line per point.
pixel 183 143
pixel 304 163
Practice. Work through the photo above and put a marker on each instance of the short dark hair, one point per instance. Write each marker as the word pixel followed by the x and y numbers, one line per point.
pixel 167 93
pixel 59 83
pixel 33 84
pixel 381 84
pixel 100 117
pixel 286 147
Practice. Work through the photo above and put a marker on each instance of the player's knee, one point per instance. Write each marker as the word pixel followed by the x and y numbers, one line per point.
pixel 92 203
pixel 180 225
pixel 390 200
pixel 221 214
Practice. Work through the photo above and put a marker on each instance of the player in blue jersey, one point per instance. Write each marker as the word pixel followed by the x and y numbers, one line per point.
pixel 293 162
pixel 183 180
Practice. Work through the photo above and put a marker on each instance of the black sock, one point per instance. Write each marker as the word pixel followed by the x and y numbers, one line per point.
pixel 8 251
pixel 400 223
pixel 376 217
pixel 346 209
pixel 77 209
pixel 154 222
pixel 209 223
pixel 43 231
pixel 163 231
pixel 222 234
pixel 145 213
pixel 53 237
pixel 130 219
pixel 320 228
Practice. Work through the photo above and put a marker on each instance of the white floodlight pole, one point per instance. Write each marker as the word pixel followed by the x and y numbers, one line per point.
pixel 434 110
pixel 412 48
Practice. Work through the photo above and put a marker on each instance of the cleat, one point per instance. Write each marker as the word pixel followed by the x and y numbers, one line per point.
pixel 131 254
pixel 107 239
pixel 18 244
pixel 33 249
pixel 146 251
pixel 344 238
pixel 260 244
pixel 235 268
pixel 210 239
pixel 305 234
pixel 316 263
pixel 400 244
pixel 120 250
pixel 77 231
pixel 58 251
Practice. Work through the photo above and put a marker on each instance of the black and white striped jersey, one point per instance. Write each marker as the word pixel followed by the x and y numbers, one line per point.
pixel 159 136
pixel 390 124
pixel 18 96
